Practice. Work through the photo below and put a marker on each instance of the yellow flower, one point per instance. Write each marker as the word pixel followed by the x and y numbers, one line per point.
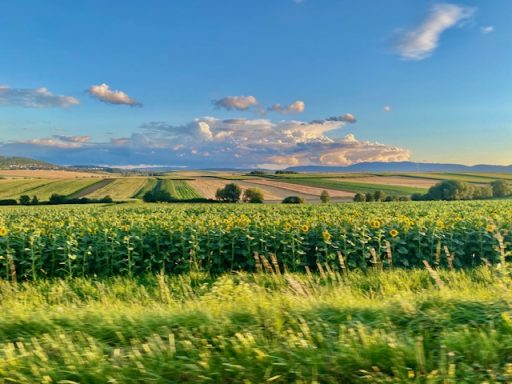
pixel 304 228
pixel 3 231
pixel 393 233
pixel 490 228
pixel 326 235
pixel 375 224
pixel 287 226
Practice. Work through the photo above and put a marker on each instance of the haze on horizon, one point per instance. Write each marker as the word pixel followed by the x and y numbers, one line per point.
pixel 268 83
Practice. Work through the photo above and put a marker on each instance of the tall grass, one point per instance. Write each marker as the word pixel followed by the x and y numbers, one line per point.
pixel 358 327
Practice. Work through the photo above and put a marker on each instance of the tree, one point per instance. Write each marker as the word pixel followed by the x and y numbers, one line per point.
pixel 35 201
pixel 57 199
pixel 379 196
pixel 325 197
pixel 369 196
pixel 253 195
pixel 359 198
pixel 500 188
pixel 25 200
pixel 450 190
pixel 293 200
pixel 229 194
pixel 159 196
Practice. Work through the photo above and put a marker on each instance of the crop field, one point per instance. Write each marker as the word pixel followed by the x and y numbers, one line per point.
pixel 333 293
pixel 64 187
pixel 13 189
pixel 354 186
pixel 120 189
pixel 179 189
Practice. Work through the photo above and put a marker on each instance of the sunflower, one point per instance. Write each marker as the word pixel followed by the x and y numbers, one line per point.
pixel 3 231
pixel 490 228
pixel 304 228
pixel 326 236
pixel 393 233
pixel 287 226
pixel 375 224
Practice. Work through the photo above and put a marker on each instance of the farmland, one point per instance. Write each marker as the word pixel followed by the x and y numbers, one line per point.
pixel 242 293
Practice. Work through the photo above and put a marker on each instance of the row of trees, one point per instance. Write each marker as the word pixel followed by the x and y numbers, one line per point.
pixel 55 199
pixel 378 196
pixel 459 190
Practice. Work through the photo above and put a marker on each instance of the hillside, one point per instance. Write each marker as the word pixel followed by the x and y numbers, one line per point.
pixel 24 163
pixel 404 166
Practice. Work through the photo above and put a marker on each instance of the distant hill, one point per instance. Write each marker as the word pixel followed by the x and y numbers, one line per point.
pixel 24 163
pixel 404 166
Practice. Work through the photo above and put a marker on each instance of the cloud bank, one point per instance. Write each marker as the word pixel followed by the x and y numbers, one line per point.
pixel 212 142
pixel 103 93
pixel 34 98
pixel 420 43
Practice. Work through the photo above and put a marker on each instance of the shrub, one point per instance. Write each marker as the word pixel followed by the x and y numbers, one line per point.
pixel 293 200
pixel 369 196
pixel 500 188
pixel 35 201
pixel 359 197
pixel 379 196
pixel 57 199
pixel 229 194
pixel 253 195
pixel 325 197
pixel 8 202
pixel 158 196
pixel 25 200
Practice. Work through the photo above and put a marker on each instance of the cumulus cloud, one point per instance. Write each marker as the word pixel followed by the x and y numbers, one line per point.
pixel 213 142
pixel 487 29
pixel 295 107
pixel 33 98
pixel 420 43
pixel 238 103
pixel 103 93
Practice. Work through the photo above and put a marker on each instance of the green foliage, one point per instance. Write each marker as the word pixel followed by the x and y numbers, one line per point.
pixel 455 190
pixel 377 327
pixel 293 200
pixel 325 197
pixel 229 194
pixel 359 197
pixel 253 195
pixel 158 196
pixel 53 241
pixel 500 188
pixel 25 200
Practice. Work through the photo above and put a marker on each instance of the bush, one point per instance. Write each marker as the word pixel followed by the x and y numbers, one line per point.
pixel 379 196
pixel 25 200
pixel 325 197
pixel 8 202
pixel 369 196
pixel 158 196
pixel 359 198
pixel 253 195
pixel 229 194
pixel 500 188
pixel 57 199
pixel 35 201
pixel 293 200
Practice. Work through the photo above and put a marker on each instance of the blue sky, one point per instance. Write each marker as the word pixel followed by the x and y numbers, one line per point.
pixel 256 83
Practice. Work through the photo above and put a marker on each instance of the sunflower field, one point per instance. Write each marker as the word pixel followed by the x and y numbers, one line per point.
pixel 137 239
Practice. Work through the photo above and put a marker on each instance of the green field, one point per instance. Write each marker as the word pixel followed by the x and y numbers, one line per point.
pixel 194 293
pixel 179 189
pixel 351 186
pixel 121 189
pixel 376 327
pixel 13 189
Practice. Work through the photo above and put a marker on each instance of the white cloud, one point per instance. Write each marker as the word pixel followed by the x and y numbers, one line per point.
pixel 295 107
pixel 487 29
pixel 387 108
pixel 103 93
pixel 33 98
pixel 238 103
pixel 60 141
pixel 420 43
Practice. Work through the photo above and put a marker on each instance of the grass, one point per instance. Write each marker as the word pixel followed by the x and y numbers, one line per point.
pixel 121 189
pixel 375 327
pixel 356 187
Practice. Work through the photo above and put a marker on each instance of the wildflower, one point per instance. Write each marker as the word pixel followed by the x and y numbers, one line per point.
pixel 393 233
pixel 326 236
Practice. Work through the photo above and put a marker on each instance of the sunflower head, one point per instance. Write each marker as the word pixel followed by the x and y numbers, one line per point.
pixel 326 235
pixel 393 233
pixel 375 224
pixel 304 228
